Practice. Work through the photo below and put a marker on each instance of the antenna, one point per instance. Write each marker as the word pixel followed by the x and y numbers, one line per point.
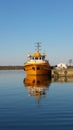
pixel 38 46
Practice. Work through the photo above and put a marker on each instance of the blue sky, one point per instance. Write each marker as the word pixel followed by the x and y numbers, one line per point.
pixel 24 22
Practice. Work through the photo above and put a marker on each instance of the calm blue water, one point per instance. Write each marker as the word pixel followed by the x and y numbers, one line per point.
pixel 23 108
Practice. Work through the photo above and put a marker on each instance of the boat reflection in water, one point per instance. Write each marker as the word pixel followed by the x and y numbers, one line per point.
pixel 37 85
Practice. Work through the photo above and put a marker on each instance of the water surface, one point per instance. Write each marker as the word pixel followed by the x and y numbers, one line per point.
pixel 31 104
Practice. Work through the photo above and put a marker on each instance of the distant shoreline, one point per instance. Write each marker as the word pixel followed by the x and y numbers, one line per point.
pixel 11 67
pixel 19 67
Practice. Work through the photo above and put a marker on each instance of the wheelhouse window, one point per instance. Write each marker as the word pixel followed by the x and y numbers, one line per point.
pixel 36 58
pixel 43 58
pixel 32 58
pixel 40 58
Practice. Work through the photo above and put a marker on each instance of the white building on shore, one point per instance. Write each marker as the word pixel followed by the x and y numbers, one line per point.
pixel 61 66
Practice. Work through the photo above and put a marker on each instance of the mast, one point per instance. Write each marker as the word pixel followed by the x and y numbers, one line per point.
pixel 38 46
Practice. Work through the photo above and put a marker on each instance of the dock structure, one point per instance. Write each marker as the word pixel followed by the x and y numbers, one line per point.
pixel 62 72
pixel 62 75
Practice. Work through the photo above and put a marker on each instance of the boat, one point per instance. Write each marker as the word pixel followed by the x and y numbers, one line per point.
pixel 36 63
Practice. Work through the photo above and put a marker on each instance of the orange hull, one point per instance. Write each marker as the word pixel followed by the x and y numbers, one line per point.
pixel 37 69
